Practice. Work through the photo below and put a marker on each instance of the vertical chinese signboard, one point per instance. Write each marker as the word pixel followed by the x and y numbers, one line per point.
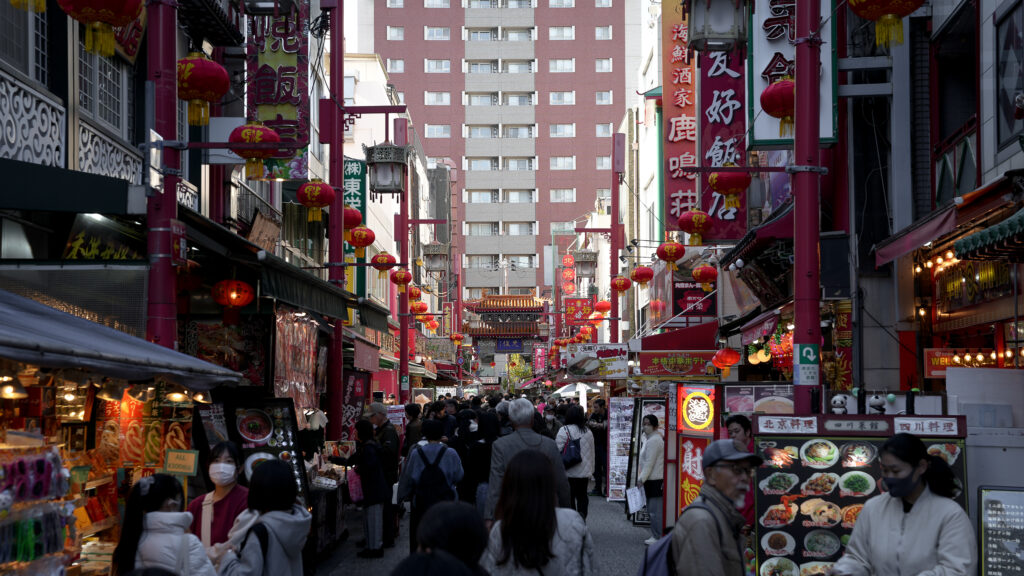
pixel 353 187
pixel 843 341
pixel 278 64
pixel 695 423
pixel 772 57
pixel 679 111
pixel 539 359
pixel 577 310
pixel 722 134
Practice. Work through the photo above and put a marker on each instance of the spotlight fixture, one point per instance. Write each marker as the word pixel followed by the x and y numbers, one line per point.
pixel 917 269
pixel 921 311
pixel 979 357
pixel 13 390
pixel 949 254
pixel 928 264
pixel 956 358
pixel 993 355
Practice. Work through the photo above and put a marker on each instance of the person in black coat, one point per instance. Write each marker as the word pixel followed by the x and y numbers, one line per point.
pixel 369 464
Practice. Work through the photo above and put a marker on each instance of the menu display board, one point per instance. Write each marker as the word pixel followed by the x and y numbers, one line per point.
pixel 267 430
pixel 814 483
pixel 620 430
pixel 1001 530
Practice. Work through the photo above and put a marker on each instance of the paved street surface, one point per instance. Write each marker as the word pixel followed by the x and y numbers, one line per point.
pixel 618 545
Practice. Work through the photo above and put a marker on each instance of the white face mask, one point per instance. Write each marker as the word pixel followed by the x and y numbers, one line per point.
pixel 222 473
pixel 549 417
pixel 473 426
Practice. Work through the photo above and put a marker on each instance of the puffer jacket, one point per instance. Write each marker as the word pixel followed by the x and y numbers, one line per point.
pixel 165 538
pixel 572 547
pixel 286 535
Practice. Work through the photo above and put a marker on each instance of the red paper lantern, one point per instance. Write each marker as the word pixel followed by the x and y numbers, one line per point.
pixel 201 81
pixel 456 338
pixel 695 223
pixel 418 307
pixel 779 101
pixel 315 195
pixel 383 262
pixel 492 364
pixel 728 356
pixel 730 185
pixel 670 252
pixel 620 284
pixel 415 294
pixel 425 318
pixel 641 275
pixel 568 274
pixel 432 325
pixel 253 133
pixel 595 319
pixel 512 364
pixel 888 16
pixel 603 306
pixel 401 277
pixel 100 17
pixel 706 275
pixel 351 217
pixel 361 238
pixel 569 288
pixel 586 331
pixel 233 295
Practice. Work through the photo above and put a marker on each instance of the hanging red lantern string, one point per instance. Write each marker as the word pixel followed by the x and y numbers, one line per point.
pixel 201 81
pixel 401 277
pixel 671 252
pixel 383 262
pixel 569 288
pixel 730 185
pixel 724 359
pixel 315 195
pixel 415 294
pixel 361 238
pixel 425 318
pixel 779 101
pixel 695 223
pixel 418 307
pixel 641 275
pixel 432 325
pixel 352 217
pixel 100 18
pixel 603 306
pixel 706 275
pixel 456 338
pixel 595 319
pixel 888 16
pixel 620 284
pixel 233 295
pixel 253 133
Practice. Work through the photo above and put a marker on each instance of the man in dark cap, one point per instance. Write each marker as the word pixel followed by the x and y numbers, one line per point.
pixel 706 538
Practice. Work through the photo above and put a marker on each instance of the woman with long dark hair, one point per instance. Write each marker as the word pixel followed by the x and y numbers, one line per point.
pixel 530 535
pixel 915 527
pixel 214 514
pixel 579 474
pixel 155 531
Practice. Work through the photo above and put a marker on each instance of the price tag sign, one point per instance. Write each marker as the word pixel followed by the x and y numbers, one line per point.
pixel 807 364
pixel 181 462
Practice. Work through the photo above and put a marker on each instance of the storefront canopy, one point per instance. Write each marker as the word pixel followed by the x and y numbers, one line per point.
pixel 1003 241
pixel 39 335
pixel 917 235
pixel 699 337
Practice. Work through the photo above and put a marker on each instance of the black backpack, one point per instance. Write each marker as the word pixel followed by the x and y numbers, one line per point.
pixel 658 558
pixel 433 486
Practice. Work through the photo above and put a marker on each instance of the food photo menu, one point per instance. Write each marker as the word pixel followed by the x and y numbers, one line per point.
pixel 814 482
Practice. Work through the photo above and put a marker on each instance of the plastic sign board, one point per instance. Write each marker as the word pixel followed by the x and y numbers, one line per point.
pixel 181 462
pixel 806 364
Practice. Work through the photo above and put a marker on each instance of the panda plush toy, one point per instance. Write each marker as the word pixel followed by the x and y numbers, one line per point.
pixel 839 404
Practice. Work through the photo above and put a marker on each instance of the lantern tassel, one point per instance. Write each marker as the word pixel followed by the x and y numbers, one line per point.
pixel 695 239
pixel 889 30
pixel 253 169
pixel 198 113
pixel 732 201
pixel 725 372
pixel 34 5
pixel 786 126
pixel 672 266
pixel 360 252
pixel 382 274
pixel 401 288
pixel 314 215
pixel 348 235
pixel 707 287
pixel 39 6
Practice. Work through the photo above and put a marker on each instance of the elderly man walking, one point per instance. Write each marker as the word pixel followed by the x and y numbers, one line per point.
pixel 520 415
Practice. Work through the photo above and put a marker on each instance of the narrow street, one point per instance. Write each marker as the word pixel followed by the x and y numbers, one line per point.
pixel 618 545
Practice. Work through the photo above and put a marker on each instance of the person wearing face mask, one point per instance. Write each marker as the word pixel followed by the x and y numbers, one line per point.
pixel 652 464
pixel 915 527
pixel 706 539
pixel 551 423
pixel 214 514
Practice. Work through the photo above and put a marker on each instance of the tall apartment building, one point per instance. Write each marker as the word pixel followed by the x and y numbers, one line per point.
pixel 522 96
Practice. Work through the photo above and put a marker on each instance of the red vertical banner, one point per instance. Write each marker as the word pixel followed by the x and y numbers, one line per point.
pixel 679 109
pixel 842 336
pixel 722 134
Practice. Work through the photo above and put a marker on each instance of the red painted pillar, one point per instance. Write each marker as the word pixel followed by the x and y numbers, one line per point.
pixel 161 44
pixel 619 166
pixel 402 236
pixel 336 232
pixel 806 185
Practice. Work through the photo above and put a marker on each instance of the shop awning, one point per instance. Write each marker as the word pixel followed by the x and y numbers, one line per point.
pixel 700 337
pixel 37 334
pixel 778 226
pixel 1003 241
pixel 916 235
pixel 531 383
pixel 373 316
pixel 760 327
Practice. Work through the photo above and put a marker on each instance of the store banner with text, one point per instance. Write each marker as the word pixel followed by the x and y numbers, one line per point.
pixel 353 187
pixel 679 111
pixel 723 134
pixel 676 363
pixel 578 310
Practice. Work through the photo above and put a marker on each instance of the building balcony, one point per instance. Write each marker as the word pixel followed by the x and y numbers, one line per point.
pixel 518 147
pixel 500 82
pixel 483 277
pixel 501 114
pixel 509 212
pixel 495 179
pixel 501 245
pixel 494 17
pixel 499 49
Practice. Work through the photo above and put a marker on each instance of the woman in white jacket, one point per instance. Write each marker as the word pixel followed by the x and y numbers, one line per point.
pixel 652 473
pixel 915 527
pixel 155 532
pixel 579 474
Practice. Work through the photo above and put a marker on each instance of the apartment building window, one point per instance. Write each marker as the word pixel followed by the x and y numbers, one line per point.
pixel 603 33
pixel 396 66
pixel 563 98
pixel 396 3
pixel 483 132
pixel 437 66
pixel 520 3
pixel 519 196
pixel 438 131
pixel 518 164
pixel 563 195
pixel 106 92
pixel 563 163
pixel 436 4
pixel 519 228
pixel 557 65
pixel 483 4
pixel 562 227
pixel 401 97
pixel 561 3
pixel 483 67
pixel 602 3
pixel 486 35
pixel 482 261
pixel 478 293
pixel 396 33
pixel 483 99
pixel 483 228
pixel 483 164
pixel 518 99
pixel 23 41
pixel 604 97
pixel 518 131
pixel 520 291
pixel 604 162
pixel 604 130
pixel 520 261
pixel 604 194
pixel 435 161
pixel 562 33
pixel 1009 73
pixel 603 65
pixel 518 66
pixel 483 196
pixel 562 130
pixel 518 34
pixel 437 98
pixel 437 32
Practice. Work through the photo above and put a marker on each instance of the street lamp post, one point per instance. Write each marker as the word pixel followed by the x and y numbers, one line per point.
pixel 402 139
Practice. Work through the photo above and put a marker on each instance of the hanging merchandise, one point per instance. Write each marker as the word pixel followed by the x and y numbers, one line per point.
pixel 695 223
pixel 315 195
pixel 254 133
pixel 201 82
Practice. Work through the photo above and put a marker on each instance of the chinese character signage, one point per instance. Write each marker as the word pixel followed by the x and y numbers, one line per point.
pixel 695 414
pixel 927 426
pixel 679 109
pixel 353 186
pixel 278 68
pixel 690 299
pixel 539 359
pixel 772 57
pixel 691 469
pixel 1001 528
pixel 971 282
pixel 508 345
pixel 722 134
pixel 677 363
pixel 577 310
